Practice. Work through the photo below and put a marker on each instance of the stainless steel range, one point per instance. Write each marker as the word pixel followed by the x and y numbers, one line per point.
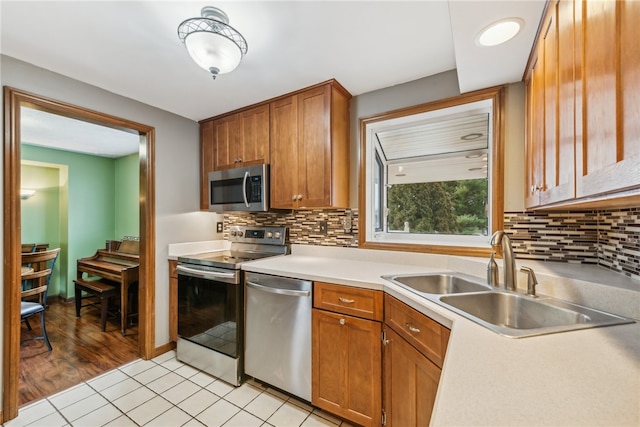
pixel 211 301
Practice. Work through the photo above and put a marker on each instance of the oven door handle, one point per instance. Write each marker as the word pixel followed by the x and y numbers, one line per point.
pixel 269 289
pixel 205 274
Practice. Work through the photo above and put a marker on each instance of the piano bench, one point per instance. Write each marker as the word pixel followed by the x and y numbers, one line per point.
pixel 100 289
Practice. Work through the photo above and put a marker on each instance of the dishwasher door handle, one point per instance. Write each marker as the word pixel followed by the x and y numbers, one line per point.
pixel 280 291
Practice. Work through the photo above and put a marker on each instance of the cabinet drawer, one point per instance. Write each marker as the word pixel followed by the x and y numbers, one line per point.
pixel 364 303
pixel 426 335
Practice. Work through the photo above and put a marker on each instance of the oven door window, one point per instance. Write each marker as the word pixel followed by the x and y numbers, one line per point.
pixel 208 313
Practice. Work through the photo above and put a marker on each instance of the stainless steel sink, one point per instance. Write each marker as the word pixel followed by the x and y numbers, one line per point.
pixel 439 283
pixel 515 315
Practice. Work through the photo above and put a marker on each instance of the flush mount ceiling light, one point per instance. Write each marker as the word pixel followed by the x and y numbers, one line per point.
pixel 212 43
pixel 26 193
pixel 500 32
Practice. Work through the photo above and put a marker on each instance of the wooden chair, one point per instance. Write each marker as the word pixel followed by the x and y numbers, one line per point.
pixel 36 284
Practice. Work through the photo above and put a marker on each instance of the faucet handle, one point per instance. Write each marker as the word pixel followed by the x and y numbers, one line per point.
pixel 532 281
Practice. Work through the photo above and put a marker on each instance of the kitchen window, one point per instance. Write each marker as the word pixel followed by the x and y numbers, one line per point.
pixel 433 176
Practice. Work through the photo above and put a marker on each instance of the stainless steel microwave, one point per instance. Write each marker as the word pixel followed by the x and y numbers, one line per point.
pixel 243 189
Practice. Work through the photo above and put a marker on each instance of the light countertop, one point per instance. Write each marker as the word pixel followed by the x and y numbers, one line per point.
pixel 176 250
pixel 585 377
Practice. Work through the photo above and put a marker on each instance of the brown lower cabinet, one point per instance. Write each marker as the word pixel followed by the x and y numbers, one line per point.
pixel 411 382
pixel 173 300
pixel 347 367
pixel 347 352
pixel 348 361
pixel 414 351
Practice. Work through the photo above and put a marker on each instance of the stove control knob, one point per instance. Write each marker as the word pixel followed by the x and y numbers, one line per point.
pixel 233 233
pixel 269 235
pixel 277 235
pixel 239 233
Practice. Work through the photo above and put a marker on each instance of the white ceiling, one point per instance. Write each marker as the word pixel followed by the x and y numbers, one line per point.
pixel 63 133
pixel 132 48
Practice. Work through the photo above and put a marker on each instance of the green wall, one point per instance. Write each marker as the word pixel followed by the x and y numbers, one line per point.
pixel 42 212
pixel 88 201
pixel 127 197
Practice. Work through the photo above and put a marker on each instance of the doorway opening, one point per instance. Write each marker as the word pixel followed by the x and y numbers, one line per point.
pixel 14 101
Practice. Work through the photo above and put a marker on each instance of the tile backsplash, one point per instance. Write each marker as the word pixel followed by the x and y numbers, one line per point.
pixel 609 238
pixel 304 225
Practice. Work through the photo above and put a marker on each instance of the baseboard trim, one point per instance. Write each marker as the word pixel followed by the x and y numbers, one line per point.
pixel 164 348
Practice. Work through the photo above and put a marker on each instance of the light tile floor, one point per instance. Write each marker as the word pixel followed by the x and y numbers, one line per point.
pixel 165 392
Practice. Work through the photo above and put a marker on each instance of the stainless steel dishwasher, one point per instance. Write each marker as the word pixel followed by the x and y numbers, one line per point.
pixel 278 332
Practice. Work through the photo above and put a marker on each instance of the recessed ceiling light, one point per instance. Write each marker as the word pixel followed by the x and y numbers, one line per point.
pixel 471 136
pixel 500 32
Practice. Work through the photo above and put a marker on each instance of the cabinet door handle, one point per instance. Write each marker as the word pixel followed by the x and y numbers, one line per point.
pixel 346 301
pixel 293 198
pixel 539 187
pixel 299 196
pixel 412 328
pixel 342 322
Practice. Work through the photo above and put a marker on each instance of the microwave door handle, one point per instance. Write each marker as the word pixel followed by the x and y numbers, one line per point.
pixel 244 188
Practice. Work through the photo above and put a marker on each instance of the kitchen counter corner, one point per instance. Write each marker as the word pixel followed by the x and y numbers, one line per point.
pixel 585 377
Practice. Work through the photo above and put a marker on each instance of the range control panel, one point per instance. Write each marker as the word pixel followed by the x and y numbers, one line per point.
pixel 260 235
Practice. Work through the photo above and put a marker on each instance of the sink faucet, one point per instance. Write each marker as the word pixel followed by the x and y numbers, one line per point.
pixel 532 281
pixel 500 238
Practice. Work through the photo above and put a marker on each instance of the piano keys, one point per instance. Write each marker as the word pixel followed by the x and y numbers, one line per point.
pixel 120 264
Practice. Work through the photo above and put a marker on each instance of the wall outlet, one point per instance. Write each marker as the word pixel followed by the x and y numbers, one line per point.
pixel 219 227
pixel 347 224
pixel 323 227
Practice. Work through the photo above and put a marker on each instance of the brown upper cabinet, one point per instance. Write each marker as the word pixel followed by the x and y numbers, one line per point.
pixel 310 148
pixel 207 155
pixel 304 136
pixel 242 139
pixel 231 141
pixel 582 128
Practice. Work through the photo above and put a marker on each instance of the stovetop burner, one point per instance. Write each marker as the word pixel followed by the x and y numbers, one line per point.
pixel 247 244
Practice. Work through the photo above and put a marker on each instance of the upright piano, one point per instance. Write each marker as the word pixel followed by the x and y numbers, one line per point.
pixel 119 263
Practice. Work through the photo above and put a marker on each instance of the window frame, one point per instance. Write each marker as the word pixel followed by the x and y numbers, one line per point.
pixel 422 243
pixel 379 192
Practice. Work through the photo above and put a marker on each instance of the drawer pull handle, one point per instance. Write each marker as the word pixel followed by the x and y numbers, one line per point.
pixel 342 321
pixel 412 328
pixel 345 300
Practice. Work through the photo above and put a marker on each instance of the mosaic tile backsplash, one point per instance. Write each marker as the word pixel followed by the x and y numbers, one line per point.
pixel 304 225
pixel 607 238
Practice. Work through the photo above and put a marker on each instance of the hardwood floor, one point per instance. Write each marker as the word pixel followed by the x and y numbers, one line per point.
pixel 80 350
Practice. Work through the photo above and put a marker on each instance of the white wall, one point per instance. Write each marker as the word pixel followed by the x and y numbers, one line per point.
pixel 514 148
pixel 178 218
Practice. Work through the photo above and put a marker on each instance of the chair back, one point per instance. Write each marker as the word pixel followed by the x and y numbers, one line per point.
pixel 28 247
pixel 34 247
pixel 36 282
